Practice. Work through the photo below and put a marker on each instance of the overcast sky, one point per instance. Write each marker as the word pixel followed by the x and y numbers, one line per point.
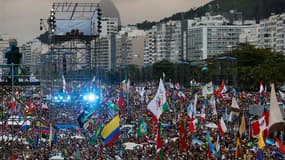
pixel 21 18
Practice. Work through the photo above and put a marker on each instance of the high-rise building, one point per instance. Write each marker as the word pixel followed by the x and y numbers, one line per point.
pixel 5 42
pixel 165 41
pixel 211 36
pixel 250 35
pixel 272 33
pixel 130 47
pixel 150 47
pixel 109 26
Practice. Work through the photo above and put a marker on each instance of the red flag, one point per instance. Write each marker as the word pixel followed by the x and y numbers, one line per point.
pixel 219 91
pixel 159 142
pixel 254 128
pixel 280 145
pixel 154 119
pixel 222 127
pixel 121 101
pixel 191 126
pixel 182 135
pixel 266 117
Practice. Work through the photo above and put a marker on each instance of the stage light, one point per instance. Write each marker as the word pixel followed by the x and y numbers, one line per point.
pixel 90 97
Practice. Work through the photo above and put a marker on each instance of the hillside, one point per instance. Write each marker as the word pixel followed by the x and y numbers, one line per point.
pixel 246 9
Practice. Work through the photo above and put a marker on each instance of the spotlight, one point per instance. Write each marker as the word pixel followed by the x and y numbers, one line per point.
pixel 90 97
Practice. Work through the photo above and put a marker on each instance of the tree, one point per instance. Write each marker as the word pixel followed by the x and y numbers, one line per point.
pixel 254 65
pixel 165 67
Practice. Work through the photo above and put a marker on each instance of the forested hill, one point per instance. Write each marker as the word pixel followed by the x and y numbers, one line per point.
pixel 248 9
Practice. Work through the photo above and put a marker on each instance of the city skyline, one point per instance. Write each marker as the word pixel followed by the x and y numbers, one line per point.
pixel 22 20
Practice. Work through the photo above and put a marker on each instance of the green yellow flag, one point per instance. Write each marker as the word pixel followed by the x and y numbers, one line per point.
pixel 142 128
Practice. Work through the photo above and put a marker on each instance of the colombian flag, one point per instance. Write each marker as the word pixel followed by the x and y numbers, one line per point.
pixel 42 128
pixel 111 131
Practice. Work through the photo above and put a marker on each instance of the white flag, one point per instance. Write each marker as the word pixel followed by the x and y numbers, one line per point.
pixel 158 104
pixel 207 89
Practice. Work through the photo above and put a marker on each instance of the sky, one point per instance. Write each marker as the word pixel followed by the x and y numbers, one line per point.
pixel 21 18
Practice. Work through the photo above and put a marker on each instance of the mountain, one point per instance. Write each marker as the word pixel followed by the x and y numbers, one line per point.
pixel 245 9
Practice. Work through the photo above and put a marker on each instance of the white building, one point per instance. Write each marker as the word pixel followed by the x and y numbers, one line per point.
pixel 250 35
pixel 109 26
pixel 149 49
pixel 164 42
pixel 271 33
pixel 210 36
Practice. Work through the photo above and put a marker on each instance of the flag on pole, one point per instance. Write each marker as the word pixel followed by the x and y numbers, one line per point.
pixel 207 89
pixel 96 135
pixel 111 131
pixel 121 101
pixel 242 128
pixel 158 104
pixel 159 142
pixel 221 89
pixel 222 126
pixel 64 85
pixel 261 88
pixel 182 136
pixel 142 130
pixel 237 152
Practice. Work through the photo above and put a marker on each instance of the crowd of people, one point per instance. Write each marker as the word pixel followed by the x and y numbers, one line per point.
pixel 69 140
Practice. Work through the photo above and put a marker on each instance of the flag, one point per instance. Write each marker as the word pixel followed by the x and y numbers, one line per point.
pixel 142 130
pixel 97 133
pixel 237 151
pixel 280 145
pixel 254 128
pixel 207 89
pixel 218 146
pixel 190 111
pixel 261 88
pixel 221 89
pixel 42 128
pixel 182 136
pixel 64 85
pixel 85 117
pixel 222 127
pixel 192 125
pixel 260 142
pixel 242 128
pixel 45 107
pixel 113 106
pixel 211 146
pixel 111 131
pixel 213 104
pixel 195 140
pixel 121 101
pixel 159 142
pixel 158 104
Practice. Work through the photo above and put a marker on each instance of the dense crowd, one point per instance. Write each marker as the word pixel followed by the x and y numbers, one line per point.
pixel 72 142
